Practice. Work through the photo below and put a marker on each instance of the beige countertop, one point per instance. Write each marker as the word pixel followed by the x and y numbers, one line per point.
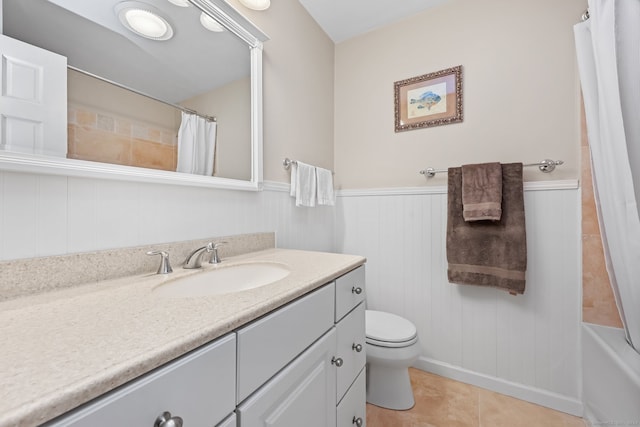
pixel 63 348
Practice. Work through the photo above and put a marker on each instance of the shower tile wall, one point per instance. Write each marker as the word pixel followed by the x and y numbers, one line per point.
pixel 102 137
pixel 598 303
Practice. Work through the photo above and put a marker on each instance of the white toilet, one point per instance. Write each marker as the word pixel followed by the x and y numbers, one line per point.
pixel 392 346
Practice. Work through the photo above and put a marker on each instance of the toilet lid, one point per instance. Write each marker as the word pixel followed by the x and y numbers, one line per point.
pixel 386 327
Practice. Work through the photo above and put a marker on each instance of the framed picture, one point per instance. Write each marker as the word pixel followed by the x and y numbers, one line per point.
pixel 432 99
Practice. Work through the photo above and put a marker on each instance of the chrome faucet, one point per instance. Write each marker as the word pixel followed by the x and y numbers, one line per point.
pixel 194 259
pixel 165 267
pixel 215 258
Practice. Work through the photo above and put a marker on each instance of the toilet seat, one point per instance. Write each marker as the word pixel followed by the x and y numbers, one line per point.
pixel 388 330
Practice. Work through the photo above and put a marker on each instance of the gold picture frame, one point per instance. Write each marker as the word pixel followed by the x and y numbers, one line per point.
pixel 432 99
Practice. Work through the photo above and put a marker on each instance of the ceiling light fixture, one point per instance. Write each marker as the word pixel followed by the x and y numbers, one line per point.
pixel 181 3
pixel 143 21
pixel 256 4
pixel 210 24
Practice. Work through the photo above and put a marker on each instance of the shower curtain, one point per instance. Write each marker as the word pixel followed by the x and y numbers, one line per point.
pixel 196 145
pixel 608 49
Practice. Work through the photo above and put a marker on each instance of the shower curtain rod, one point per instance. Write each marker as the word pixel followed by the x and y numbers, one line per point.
pixel 179 107
pixel 545 166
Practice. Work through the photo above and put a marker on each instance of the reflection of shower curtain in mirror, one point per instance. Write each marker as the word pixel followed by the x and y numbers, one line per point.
pixel 196 145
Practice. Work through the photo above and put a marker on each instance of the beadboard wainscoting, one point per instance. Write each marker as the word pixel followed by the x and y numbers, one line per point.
pixel 527 346
pixel 43 215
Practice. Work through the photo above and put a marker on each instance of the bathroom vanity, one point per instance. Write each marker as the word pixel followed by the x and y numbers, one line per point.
pixel 288 353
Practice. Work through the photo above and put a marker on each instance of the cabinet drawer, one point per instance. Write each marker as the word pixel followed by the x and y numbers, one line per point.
pixel 198 387
pixel 353 405
pixel 351 333
pixel 269 344
pixel 302 394
pixel 350 290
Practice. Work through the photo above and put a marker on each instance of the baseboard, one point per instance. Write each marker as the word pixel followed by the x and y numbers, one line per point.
pixel 589 419
pixel 538 396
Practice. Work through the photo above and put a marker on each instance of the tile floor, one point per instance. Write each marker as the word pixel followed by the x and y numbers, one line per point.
pixel 441 402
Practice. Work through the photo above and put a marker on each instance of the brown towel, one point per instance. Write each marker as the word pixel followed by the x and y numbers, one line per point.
pixel 482 192
pixel 488 253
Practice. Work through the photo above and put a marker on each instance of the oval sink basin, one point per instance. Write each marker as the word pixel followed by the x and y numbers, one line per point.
pixel 224 280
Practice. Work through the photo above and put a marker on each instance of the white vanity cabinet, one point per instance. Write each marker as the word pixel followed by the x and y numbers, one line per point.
pixel 198 387
pixel 230 421
pixel 325 385
pixel 301 364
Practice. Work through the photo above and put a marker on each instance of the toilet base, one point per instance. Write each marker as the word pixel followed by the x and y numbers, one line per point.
pixel 389 387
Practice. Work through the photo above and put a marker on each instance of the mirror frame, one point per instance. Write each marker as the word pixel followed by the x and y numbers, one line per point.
pixel 253 37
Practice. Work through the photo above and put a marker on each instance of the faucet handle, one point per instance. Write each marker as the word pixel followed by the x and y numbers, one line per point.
pixel 215 258
pixel 165 267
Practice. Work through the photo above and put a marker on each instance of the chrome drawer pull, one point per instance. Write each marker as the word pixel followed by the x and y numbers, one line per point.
pixel 166 420
pixel 356 347
pixel 337 361
pixel 357 421
pixel 357 290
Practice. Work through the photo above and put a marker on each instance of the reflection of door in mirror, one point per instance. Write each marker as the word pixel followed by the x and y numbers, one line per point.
pixel 33 99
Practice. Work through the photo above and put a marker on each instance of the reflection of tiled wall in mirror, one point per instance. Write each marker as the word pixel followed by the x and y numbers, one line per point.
pixel 598 303
pixel 108 138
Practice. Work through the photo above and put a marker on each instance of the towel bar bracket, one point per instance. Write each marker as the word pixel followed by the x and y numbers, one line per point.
pixel 429 172
pixel 547 165
pixel 287 162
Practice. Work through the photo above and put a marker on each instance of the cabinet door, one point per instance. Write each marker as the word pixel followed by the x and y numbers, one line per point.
pixel 230 421
pixel 198 387
pixel 303 394
pixel 352 410
pixel 351 338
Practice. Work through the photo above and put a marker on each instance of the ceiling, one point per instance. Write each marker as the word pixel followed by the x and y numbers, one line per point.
pixel 90 35
pixel 344 19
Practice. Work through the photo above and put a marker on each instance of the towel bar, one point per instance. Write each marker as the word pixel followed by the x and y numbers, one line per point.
pixel 287 162
pixel 546 166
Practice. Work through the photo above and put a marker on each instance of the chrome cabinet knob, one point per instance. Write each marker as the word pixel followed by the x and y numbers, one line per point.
pixel 357 421
pixel 357 290
pixel 337 361
pixel 166 420
pixel 356 347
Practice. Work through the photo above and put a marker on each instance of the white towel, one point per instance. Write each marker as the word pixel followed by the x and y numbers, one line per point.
pixel 305 185
pixel 294 179
pixel 326 196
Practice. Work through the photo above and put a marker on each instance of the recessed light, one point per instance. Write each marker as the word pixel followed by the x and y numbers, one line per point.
pixel 256 4
pixel 181 3
pixel 210 24
pixel 143 21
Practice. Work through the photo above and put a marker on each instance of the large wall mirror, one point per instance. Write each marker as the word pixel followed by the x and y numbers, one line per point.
pixel 150 90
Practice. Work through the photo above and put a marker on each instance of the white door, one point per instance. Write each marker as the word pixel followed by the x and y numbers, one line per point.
pixel 302 394
pixel 33 104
